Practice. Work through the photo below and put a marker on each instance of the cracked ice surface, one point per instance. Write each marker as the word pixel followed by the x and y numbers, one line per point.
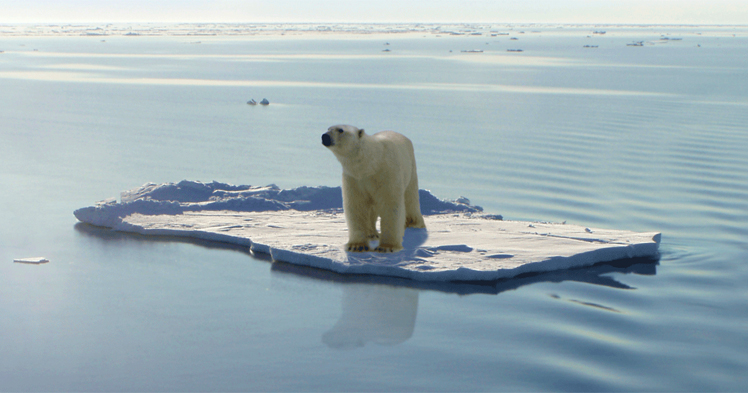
pixel 306 226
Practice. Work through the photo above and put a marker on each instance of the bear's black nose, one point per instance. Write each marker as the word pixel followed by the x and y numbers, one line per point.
pixel 326 140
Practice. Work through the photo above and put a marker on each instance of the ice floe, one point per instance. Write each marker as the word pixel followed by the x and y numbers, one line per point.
pixel 306 226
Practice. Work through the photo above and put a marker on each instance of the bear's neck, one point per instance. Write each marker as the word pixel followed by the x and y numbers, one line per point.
pixel 361 162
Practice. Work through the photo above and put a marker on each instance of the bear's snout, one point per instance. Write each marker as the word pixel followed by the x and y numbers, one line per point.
pixel 326 140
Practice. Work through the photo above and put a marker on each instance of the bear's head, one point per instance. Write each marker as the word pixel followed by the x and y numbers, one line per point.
pixel 342 139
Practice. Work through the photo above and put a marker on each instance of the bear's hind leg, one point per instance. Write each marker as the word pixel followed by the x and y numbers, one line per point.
pixel 413 217
pixel 372 230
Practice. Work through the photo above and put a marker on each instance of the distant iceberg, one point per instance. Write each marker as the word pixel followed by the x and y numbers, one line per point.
pixel 306 226
pixel 264 102
pixel 252 102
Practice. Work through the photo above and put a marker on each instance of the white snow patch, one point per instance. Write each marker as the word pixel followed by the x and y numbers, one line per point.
pixel 306 226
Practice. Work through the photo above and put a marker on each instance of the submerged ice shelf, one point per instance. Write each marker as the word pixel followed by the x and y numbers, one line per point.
pixel 306 226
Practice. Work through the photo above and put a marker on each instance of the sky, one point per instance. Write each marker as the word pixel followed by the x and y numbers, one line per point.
pixel 377 11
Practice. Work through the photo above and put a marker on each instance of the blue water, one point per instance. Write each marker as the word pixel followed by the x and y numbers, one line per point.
pixel 648 138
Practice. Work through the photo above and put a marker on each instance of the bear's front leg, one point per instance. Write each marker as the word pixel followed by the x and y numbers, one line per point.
pixel 358 235
pixel 393 227
pixel 360 217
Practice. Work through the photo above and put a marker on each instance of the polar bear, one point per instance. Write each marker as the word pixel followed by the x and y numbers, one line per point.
pixel 379 181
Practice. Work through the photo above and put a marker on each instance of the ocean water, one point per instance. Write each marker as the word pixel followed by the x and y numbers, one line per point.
pixel 649 138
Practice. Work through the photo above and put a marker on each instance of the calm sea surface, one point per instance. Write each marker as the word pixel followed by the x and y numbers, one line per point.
pixel 650 138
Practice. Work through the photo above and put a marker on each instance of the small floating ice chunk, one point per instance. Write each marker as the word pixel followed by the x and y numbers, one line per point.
pixel 252 102
pixel 264 102
pixel 34 260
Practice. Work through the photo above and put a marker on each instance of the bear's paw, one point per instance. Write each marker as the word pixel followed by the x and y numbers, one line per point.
pixel 387 248
pixel 357 247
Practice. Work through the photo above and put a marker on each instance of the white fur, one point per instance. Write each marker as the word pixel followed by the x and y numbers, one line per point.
pixel 379 180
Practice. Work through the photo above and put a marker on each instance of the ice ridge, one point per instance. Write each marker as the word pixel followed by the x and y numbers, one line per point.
pixel 187 195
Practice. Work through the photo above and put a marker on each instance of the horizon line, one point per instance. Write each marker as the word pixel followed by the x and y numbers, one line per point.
pixel 375 23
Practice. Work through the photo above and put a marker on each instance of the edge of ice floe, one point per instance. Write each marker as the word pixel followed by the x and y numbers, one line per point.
pixel 608 254
pixel 585 259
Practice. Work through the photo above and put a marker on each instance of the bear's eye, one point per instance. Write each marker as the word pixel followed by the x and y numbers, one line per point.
pixel 340 130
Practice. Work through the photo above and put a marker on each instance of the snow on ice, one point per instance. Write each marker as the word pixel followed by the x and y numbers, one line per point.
pixel 306 226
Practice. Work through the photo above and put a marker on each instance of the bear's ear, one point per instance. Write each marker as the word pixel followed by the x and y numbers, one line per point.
pixel 360 133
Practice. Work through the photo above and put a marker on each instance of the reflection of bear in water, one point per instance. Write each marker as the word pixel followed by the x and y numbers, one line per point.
pixel 381 314
pixel 379 180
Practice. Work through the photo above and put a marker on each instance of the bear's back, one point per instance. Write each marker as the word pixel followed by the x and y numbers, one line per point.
pixel 393 138
pixel 397 151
